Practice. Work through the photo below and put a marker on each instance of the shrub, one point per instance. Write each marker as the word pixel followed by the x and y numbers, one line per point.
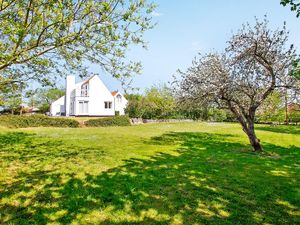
pixel 217 115
pixel 111 121
pixel 36 121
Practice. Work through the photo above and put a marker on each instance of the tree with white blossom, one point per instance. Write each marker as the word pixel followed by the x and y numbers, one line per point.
pixel 256 62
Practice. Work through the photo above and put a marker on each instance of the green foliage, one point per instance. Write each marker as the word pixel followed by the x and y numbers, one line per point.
pixel 42 39
pixel 217 115
pixel 134 107
pixel 157 103
pixel 36 121
pixel 294 5
pixel 42 98
pixel 296 70
pixel 294 116
pixel 11 97
pixel 110 121
pixel 272 109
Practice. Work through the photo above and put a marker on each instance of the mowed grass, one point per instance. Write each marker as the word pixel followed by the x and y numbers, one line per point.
pixel 172 173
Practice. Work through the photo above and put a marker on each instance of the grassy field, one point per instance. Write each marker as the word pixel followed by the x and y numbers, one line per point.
pixel 180 173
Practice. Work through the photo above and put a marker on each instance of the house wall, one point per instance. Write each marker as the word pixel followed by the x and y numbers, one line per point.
pixel 120 105
pixel 98 94
pixel 70 85
pixel 57 108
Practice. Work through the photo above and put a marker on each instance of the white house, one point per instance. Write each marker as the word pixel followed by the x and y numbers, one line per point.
pixel 88 98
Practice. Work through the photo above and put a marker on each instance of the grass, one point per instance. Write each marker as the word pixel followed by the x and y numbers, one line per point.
pixel 171 173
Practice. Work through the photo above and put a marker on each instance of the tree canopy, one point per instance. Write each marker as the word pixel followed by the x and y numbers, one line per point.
pixel 58 37
pixel 256 62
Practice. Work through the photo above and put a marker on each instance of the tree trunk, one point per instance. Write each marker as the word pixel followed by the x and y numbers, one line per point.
pixel 254 141
pixel 247 122
pixel 286 108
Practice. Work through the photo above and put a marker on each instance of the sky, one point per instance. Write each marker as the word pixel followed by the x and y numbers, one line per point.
pixel 186 27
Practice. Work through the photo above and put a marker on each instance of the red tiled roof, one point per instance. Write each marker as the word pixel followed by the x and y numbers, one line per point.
pixel 114 93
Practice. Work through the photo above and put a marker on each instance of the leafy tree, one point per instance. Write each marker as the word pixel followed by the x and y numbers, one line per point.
pixel 217 115
pixel 42 98
pixel 156 103
pixel 294 115
pixel 294 5
pixel 191 110
pixel 257 61
pixel 272 108
pixel 134 107
pixel 11 98
pixel 159 101
pixel 39 38
pixel 296 70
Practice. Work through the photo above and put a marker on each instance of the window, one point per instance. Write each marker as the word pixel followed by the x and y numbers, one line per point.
pixel 83 107
pixel 119 98
pixel 107 105
pixel 85 90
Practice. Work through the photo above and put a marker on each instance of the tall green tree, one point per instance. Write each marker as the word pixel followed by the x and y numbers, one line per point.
pixel 272 109
pixel 58 37
pixel 157 103
pixel 11 98
pixel 42 98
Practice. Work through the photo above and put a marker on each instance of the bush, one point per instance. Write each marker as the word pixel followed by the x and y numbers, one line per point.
pixel 217 115
pixel 36 121
pixel 111 121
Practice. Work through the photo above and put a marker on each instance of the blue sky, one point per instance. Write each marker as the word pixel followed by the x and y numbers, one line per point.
pixel 186 27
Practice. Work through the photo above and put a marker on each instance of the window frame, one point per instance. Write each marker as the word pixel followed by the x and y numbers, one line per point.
pixel 108 105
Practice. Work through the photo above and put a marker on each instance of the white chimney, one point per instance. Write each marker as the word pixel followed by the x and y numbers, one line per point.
pixel 70 86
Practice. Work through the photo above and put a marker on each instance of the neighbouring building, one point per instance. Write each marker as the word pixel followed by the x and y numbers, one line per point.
pixel 88 98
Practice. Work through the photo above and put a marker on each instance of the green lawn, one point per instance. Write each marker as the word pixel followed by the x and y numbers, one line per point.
pixel 180 173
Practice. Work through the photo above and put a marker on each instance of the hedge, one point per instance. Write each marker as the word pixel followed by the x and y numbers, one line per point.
pixel 111 121
pixel 36 121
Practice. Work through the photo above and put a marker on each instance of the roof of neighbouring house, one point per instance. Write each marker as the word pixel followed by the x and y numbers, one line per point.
pixel 114 93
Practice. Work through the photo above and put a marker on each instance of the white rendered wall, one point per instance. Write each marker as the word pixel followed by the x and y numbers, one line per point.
pixel 120 106
pixel 57 106
pixel 98 94
pixel 70 86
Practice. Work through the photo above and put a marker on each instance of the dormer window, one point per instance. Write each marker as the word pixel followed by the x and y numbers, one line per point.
pixel 85 90
pixel 119 98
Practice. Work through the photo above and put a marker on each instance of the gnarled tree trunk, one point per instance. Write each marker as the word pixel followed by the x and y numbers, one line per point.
pixel 254 141
pixel 246 119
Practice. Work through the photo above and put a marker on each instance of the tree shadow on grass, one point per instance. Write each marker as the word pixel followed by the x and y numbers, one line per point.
pixel 210 179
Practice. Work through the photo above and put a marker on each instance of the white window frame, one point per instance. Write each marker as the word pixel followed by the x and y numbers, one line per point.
pixel 85 90
pixel 119 98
